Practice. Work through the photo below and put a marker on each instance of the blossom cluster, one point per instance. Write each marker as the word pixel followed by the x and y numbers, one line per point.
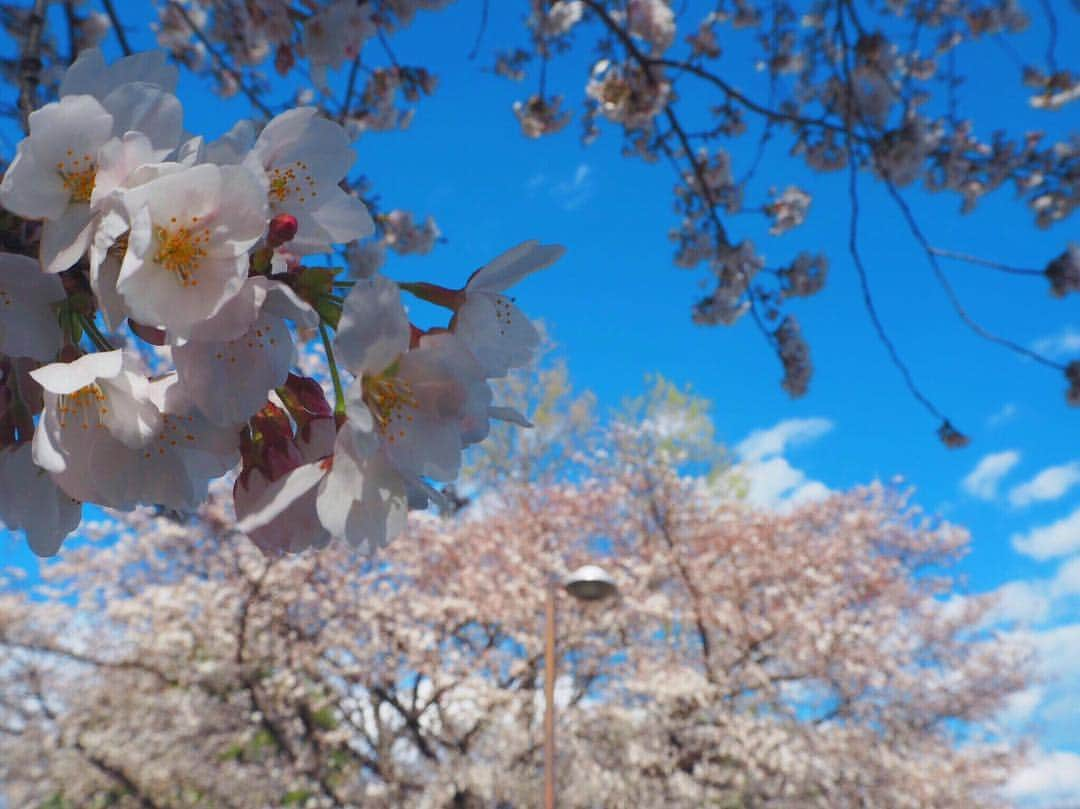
pixel 198 247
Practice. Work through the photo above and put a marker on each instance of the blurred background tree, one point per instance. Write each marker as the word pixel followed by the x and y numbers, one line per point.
pixel 751 658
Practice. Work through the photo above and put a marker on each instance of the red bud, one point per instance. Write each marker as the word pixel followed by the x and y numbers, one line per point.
pixel 282 229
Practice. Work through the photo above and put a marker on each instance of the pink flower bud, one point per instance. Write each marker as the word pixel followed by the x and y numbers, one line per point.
pixel 282 229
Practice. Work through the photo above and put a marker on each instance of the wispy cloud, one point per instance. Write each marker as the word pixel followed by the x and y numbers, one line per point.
pixel 1048 541
pixel 776 439
pixel 1050 484
pixel 1066 343
pixel 983 480
pixel 1020 602
pixel 1005 413
pixel 571 191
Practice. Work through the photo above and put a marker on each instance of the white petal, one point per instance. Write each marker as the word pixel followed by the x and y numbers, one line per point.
pixel 280 495
pixel 89 74
pixel 362 500
pixel 105 268
pixel 117 160
pixel 75 126
pixel 66 239
pixel 374 329
pixel 341 219
pixel 229 381
pixel 31 502
pixel 293 530
pixel 28 326
pixel 496 332
pixel 130 415
pixel 64 378
pixel 513 265
pixel 30 190
pixel 140 107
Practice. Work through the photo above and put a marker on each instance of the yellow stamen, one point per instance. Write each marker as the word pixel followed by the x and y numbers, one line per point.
pixel 180 249
pixel 78 176
pixel 82 403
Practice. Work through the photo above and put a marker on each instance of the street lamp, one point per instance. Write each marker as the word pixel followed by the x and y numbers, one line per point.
pixel 587 583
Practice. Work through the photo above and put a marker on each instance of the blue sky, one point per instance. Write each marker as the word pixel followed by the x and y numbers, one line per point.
pixel 618 309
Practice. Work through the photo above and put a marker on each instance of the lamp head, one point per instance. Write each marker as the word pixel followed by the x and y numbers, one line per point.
pixel 590 583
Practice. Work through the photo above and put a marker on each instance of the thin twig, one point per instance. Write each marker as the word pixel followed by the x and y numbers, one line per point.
pixel 30 63
pixel 350 88
pixel 984 262
pixel 868 300
pixel 118 28
pixel 220 60
pixel 480 34
pixel 950 293
pixel 1051 44
pixel 853 244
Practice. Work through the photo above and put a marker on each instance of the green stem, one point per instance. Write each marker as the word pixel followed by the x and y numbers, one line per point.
pixel 335 377
pixel 100 341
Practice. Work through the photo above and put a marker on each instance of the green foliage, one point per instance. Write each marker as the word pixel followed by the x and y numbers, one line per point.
pixel 295 797
pixel 324 719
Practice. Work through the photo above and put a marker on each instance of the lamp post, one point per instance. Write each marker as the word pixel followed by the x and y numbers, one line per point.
pixel 588 583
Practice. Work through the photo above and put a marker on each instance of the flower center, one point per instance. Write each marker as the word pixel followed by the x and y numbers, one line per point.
pixel 292 180
pixel 78 175
pixel 180 248
pixel 87 402
pixel 390 400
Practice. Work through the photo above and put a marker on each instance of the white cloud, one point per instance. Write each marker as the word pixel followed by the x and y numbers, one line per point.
pixel 571 192
pixel 1050 777
pixel 1021 706
pixel 1067 580
pixel 770 480
pixel 1056 651
pixel 774 440
pixel 1020 602
pixel 574 192
pixel 812 491
pixel 1006 412
pixel 1066 343
pixel 983 480
pixel 1056 539
pixel 1050 484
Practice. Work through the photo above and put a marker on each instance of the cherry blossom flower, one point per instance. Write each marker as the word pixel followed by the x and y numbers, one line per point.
pixel 304 157
pixel 28 301
pixel 336 33
pixel 186 253
pixel 54 176
pixel 1064 272
pixel 488 322
pixel 53 173
pixel 426 403
pixel 343 487
pixel 789 210
pixel 276 453
pixel 653 21
pixel 228 379
pixel 109 436
pixel 555 19
pixel 540 116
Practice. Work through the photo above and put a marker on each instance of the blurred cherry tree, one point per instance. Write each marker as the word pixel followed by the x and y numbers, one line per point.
pixel 865 93
pixel 798 659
